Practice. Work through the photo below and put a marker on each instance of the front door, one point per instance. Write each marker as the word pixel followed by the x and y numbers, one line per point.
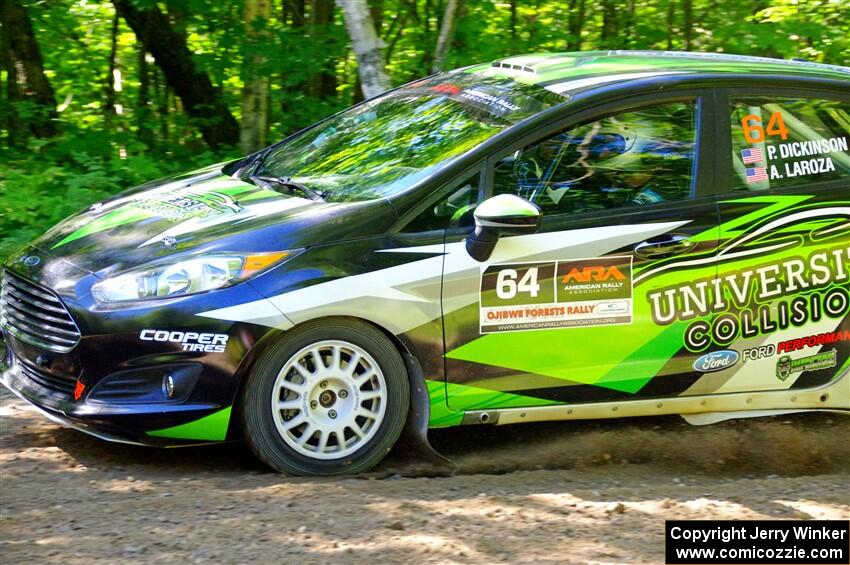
pixel 583 311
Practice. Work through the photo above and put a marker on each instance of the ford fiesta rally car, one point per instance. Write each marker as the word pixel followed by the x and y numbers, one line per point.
pixel 547 237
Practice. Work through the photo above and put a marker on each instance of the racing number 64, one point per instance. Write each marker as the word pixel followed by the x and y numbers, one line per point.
pixel 507 286
pixel 754 132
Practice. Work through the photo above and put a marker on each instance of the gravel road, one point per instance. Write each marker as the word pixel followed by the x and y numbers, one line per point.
pixel 590 492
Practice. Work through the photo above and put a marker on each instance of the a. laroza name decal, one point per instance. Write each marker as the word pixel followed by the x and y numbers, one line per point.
pixel 758 300
pixel 556 294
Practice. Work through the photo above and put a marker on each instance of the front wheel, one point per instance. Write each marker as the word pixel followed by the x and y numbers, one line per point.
pixel 330 398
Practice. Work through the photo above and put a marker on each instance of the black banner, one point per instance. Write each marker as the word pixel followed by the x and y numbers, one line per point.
pixel 757 542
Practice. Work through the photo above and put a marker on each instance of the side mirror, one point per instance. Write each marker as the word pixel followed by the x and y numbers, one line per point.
pixel 504 214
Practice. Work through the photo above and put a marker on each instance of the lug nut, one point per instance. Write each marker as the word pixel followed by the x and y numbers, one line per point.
pixel 343 393
pixel 332 414
pixel 324 384
pixel 314 404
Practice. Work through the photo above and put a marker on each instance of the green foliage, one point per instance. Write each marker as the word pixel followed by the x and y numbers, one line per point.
pixel 44 183
pixel 147 135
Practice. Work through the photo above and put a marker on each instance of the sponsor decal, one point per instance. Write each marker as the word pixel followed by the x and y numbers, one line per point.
pixel 446 88
pixel 493 103
pixel 759 300
pixel 760 352
pixel 31 260
pixel 557 294
pixel 817 340
pixel 791 345
pixel 716 361
pixel 191 341
pixel 184 204
pixel 786 366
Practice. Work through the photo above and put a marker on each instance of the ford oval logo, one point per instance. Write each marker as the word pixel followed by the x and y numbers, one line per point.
pixel 31 261
pixel 716 361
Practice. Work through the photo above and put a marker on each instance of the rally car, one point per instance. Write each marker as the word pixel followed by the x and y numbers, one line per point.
pixel 545 237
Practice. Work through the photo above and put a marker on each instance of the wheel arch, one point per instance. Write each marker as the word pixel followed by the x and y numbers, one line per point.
pixel 415 432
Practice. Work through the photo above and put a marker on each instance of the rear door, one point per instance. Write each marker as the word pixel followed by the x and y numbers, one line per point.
pixel 583 311
pixel 785 229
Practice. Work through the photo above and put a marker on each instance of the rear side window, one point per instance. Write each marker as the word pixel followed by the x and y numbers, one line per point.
pixel 785 142
pixel 635 158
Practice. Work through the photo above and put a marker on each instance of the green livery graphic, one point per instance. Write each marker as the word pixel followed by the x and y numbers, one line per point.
pixel 785 264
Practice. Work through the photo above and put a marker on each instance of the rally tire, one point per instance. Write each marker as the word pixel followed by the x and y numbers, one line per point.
pixel 350 360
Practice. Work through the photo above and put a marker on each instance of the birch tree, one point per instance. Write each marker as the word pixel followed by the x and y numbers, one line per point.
pixel 444 40
pixel 367 47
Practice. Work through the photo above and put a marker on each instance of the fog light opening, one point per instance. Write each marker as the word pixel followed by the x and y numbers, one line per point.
pixel 168 386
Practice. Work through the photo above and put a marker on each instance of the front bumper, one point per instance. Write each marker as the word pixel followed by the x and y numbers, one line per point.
pixel 115 423
pixel 110 382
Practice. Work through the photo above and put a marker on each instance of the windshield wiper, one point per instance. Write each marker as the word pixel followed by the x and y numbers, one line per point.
pixel 287 183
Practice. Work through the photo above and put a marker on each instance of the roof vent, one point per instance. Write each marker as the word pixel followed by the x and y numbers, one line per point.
pixel 521 68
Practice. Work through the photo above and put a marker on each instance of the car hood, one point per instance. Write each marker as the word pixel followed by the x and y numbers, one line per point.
pixel 203 211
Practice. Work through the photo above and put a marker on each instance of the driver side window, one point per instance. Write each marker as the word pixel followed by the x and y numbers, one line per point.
pixel 633 158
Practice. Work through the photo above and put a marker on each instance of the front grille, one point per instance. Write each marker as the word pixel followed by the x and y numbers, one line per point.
pixel 35 314
pixel 63 385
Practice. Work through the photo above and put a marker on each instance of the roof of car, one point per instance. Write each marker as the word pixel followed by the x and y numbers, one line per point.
pixel 577 70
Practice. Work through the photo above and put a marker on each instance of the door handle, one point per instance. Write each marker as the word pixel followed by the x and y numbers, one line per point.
pixel 662 246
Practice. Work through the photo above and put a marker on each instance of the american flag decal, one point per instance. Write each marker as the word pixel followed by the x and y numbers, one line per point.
pixel 756 174
pixel 752 155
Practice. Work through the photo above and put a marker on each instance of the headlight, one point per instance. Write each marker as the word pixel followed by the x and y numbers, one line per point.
pixel 188 276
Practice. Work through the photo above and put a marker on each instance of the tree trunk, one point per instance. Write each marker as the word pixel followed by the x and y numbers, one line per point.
pixel 296 7
pixel 671 21
pixel 323 84
pixel 255 105
pixel 201 100
pixel 444 40
pixel 366 46
pixel 609 25
pixel 576 24
pixel 688 15
pixel 629 25
pixel 26 81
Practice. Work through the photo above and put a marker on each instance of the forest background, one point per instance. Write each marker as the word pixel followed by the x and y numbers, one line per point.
pixel 99 96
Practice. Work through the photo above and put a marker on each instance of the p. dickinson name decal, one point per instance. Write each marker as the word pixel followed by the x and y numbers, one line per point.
pixel 758 300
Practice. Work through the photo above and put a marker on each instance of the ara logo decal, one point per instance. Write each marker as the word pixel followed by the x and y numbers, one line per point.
pixel 596 273
pixel 600 278
pixel 716 361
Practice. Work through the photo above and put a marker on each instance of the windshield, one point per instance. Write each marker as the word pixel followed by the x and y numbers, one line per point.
pixel 386 145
